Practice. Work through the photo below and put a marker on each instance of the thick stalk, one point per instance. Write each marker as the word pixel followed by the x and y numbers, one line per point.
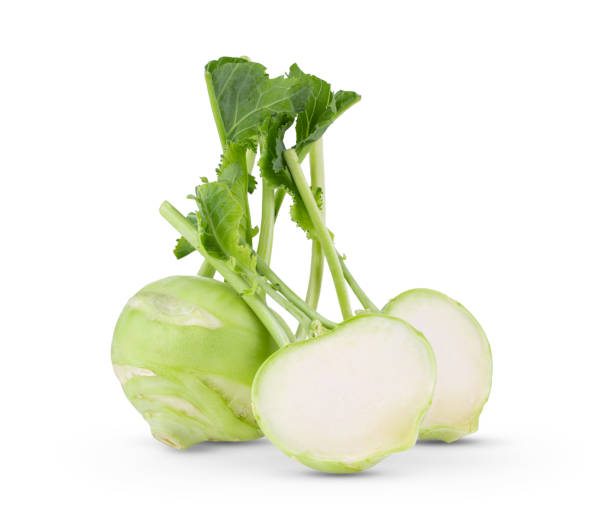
pixel 335 268
pixel 250 160
pixel 305 151
pixel 357 290
pixel 214 105
pixel 206 270
pixel 270 320
pixel 317 180
pixel 266 227
pixel 288 330
pixel 291 296
pixel 302 318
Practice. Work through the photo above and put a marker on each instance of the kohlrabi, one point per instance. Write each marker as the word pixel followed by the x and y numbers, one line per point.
pixel 185 350
pixel 463 356
pixel 343 401
pixel 337 397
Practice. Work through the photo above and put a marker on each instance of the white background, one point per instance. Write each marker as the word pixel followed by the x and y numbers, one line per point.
pixel 478 163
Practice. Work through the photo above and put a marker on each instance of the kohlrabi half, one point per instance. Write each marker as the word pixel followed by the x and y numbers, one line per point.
pixel 185 350
pixel 342 402
pixel 463 356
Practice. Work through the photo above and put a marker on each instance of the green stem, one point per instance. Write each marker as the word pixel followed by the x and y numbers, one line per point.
pixel 215 109
pixel 248 165
pixel 323 235
pixel 302 318
pixel 206 270
pixel 317 180
pixel 266 228
pixel 250 160
pixel 305 151
pixel 357 290
pixel 278 201
pixel 291 296
pixel 288 330
pixel 271 321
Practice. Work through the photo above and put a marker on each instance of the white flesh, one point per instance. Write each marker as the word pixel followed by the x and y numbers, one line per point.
pixel 354 394
pixel 463 357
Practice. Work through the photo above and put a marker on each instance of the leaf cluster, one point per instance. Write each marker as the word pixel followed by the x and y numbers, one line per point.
pixel 254 112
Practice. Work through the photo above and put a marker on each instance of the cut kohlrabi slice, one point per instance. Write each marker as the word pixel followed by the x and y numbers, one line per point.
pixel 463 356
pixel 343 401
pixel 185 350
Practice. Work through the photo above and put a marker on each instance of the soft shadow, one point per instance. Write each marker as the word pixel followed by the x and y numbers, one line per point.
pixel 313 473
pixel 408 462
pixel 429 457
pixel 208 446
pixel 463 442
pixel 248 443
pixel 303 472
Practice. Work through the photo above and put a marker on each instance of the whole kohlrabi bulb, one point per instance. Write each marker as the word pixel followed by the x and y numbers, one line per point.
pixel 185 350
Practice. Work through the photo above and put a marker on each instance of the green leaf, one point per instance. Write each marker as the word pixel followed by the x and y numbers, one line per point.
pixel 184 248
pixel 245 97
pixel 221 223
pixel 252 184
pixel 233 171
pixel 322 108
pixel 271 161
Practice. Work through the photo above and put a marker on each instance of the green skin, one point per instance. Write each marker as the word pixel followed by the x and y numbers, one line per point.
pixel 339 467
pixel 186 350
pixel 449 432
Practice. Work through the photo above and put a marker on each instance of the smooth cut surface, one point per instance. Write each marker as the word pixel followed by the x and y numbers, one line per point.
pixel 463 357
pixel 343 401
